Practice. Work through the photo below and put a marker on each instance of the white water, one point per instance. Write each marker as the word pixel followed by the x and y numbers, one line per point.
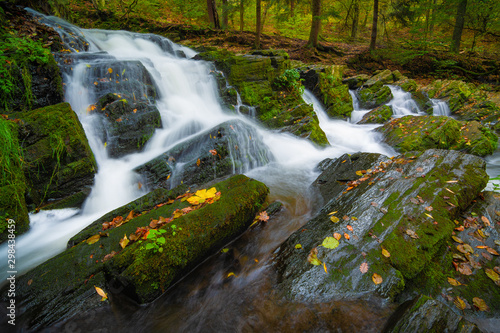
pixel 440 108
pixel 189 104
pixel 402 104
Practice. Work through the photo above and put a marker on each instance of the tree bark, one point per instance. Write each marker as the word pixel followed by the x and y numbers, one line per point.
pixel 225 14
pixel 459 26
pixel 315 24
pixel 373 41
pixel 242 15
pixel 292 8
pixel 355 19
pixel 212 14
pixel 258 23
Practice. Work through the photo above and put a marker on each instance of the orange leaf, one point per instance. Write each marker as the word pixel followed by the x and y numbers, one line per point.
pixel 480 304
pixel 101 293
pixel 346 236
pixel 337 236
pixel 349 227
pixel 486 221
pixel 363 267
pixel 377 279
pixel 130 216
pixel 198 162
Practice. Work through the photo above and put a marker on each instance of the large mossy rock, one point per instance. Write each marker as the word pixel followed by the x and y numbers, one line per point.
pixel 327 85
pixel 254 76
pixel 374 92
pixel 128 124
pixel 406 205
pixel 64 285
pixel 58 162
pixel 425 132
pixel 465 101
pixel 12 181
pixel 229 148
pixel 377 116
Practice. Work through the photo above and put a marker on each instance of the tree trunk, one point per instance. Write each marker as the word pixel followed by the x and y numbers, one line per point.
pixel 373 41
pixel 292 8
pixel 258 23
pixel 459 26
pixel 315 24
pixel 212 14
pixel 355 19
pixel 225 14
pixel 433 18
pixel 242 15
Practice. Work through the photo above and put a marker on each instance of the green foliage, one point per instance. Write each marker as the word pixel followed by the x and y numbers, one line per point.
pixel 157 240
pixel 289 81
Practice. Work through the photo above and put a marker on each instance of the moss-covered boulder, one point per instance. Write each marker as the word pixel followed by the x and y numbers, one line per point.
pixel 262 79
pixel 466 102
pixel 127 125
pixel 12 181
pixel 377 116
pixel 391 218
pixel 374 96
pixel 64 285
pixel 327 85
pixel 229 148
pixel 424 132
pixel 58 162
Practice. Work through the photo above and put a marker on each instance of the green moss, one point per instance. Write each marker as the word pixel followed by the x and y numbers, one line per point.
pixel 336 95
pixel 378 116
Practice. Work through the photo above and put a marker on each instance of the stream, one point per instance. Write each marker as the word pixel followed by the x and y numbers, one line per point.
pixel 231 291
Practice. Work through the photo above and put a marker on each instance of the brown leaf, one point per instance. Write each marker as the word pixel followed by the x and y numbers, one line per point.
pixel 363 267
pixel 415 201
pixel 93 239
pixel 374 204
pixel 198 162
pixel 411 233
pixel 124 241
pixel 458 240
pixel 313 257
pixel 429 208
pixel 486 255
pixel 377 279
pixel 486 221
pixel 130 216
pixel 492 275
pixel 465 269
pixel 492 251
pixel 480 304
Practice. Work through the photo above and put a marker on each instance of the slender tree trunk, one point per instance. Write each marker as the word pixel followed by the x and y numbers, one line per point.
pixel 355 19
pixel 315 24
pixel 242 15
pixel 373 41
pixel 459 26
pixel 212 14
pixel 258 23
pixel 225 14
pixel 433 18
pixel 292 8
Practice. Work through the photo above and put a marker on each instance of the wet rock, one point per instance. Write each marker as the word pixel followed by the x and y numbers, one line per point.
pixel 127 125
pixel 254 76
pixel 373 96
pixel 58 162
pixel 424 132
pixel 377 116
pixel 136 272
pixel 327 85
pixel 231 147
pixel 355 82
pixel 383 206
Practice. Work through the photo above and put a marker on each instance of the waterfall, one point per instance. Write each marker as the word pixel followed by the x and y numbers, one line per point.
pixel 186 96
pixel 440 108
pixel 402 104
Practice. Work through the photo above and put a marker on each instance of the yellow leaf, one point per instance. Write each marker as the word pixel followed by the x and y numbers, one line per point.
pixel 334 219
pixel 298 246
pixel 386 253
pixel 492 275
pixel 377 279
pixel 480 304
pixel 456 239
pixel 101 293
pixel 453 282
pixel 332 213
pixel 201 195
pixel 231 274
pixel 460 303
pixel 313 257
pixel 110 70
pixel 124 241
pixel 359 173
pixel 324 267
pixel 93 239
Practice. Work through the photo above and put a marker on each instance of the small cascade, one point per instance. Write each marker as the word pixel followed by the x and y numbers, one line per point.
pixel 440 108
pixel 402 104
pixel 357 114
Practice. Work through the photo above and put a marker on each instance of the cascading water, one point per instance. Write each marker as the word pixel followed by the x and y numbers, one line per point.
pixel 187 99
pixel 440 108
pixel 402 104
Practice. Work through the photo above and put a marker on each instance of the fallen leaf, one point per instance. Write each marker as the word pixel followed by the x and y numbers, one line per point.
pixel 386 253
pixel 429 208
pixel 461 228
pixel 213 152
pixel 454 282
pixel 346 236
pixel 337 236
pixel 30 282
pixel 492 251
pixel 263 216
pixel 458 240
pixel 330 243
pixel 480 304
pixel 460 303
pixel 345 218
pixel 486 221
pixel 363 267
pixel 334 219
pixel 110 70
pixel 198 162
pixel 411 233
pixel 374 204
pixel 464 269
pixel 486 256
pixel 349 227
pixel 359 173
pixel 331 213
pixel 452 181
pixel 313 257
pixel 298 246
pixel 324 267
pixel 377 279
pixel 124 241
pixel 414 200
pixel 93 239
pixel 230 274
pixel 130 216
pixel 201 195
pixel 101 293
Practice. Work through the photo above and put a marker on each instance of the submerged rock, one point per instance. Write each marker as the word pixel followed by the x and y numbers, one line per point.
pixel 425 132
pixel 231 147
pixel 405 206
pixel 58 162
pixel 139 270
